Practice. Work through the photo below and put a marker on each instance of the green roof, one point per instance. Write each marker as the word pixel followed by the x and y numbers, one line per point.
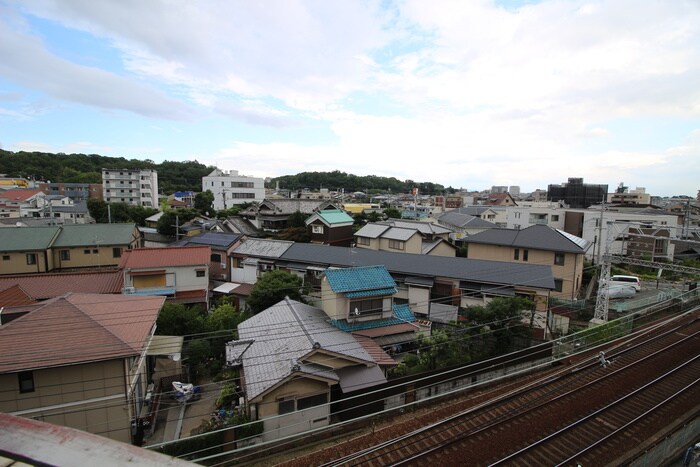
pixel 27 238
pixel 95 234
pixel 334 216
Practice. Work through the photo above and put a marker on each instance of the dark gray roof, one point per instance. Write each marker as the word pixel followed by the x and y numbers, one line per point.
pixel 537 237
pixel 492 272
pixel 219 240
pixel 465 220
pixel 262 248
pixel 425 228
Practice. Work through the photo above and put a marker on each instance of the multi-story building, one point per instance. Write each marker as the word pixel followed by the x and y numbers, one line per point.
pixel 230 189
pixel 75 191
pixel 577 194
pixel 131 186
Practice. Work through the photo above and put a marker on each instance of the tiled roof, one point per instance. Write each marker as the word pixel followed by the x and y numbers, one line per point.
pixel 359 279
pixel 19 194
pixel 397 233
pixel 425 228
pixel 78 328
pixel 539 237
pixel 459 219
pixel 96 234
pixel 27 238
pixel 50 285
pixel 282 335
pixel 483 271
pixel 14 295
pixel 165 257
pixel 402 315
pixel 334 216
pixel 375 351
pixel 372 230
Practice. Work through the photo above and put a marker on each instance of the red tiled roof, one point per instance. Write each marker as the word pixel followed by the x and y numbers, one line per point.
pixel 19 194
pixel 78 328
pixel 164 257
pixel 14 296
pixel 375 351
pixel 49 285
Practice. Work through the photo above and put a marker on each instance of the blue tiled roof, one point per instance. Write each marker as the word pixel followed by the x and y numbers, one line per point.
pixel 402 314
pixel 359 279
pixel 371 293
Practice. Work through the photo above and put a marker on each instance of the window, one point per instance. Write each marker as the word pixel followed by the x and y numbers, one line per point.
pixel 95 251
pixel 31 258
pixel 201 273
pixel 559 259
pixel 116 252
pixel 370 306
pixel 65 255
pixel 396 244
pixel 26 381
pixel 238 263
pixel 285 406
pixel 317 229
pixel 215 258
pixel 362 241
pixel 555 217
pixel 516 254
pixel 6 257
pixel 525 254
pixel 312 401
pixel 558 284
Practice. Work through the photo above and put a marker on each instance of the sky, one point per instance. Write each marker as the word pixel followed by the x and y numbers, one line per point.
pixel 467 94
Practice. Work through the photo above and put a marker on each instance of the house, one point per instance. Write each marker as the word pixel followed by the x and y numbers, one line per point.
pixel 20 202
pixel 500 199
pixel 463 225
pixel 222 245
pixel 53 248
pixel 273 214
pixel 179 273
pixel 48 285
pixel 426 283
pixel 405 236
pixel 85 364
pixel 538 244
pixel 291 360
pixel 331 227
pixel 78 192
pixel 359 300
pixel 255 256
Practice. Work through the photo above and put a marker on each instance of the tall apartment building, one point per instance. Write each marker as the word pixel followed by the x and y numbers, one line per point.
pixel 76 191
pixel 132 186
pixel 230 189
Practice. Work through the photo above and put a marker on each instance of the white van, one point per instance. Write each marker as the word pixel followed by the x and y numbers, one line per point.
pixel 626 280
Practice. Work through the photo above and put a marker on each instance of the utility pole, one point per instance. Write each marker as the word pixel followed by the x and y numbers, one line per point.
pixel 109 213
pixel 600 230
pixel 177 227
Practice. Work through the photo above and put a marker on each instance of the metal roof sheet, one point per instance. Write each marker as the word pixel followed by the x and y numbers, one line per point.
pixel 50 285
pixel 334 216
pixel 401 315
pixel 397 233
pixel 372 230
pixel 165 257
pixel 27 238
pixel 96 234
pixel 262 247
pixel 214 239
pixel 491 272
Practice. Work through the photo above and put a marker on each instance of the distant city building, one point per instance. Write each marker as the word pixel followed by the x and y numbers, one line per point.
pixel 11 183
pixel 577 194
pixel 499 189
pixel 624 196
pixel 230 189
pixel 131 186
pixel 514 191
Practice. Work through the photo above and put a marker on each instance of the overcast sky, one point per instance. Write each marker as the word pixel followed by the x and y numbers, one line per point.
pixel 465 93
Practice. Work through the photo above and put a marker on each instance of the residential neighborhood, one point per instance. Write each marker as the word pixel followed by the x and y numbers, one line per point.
pixel 366 288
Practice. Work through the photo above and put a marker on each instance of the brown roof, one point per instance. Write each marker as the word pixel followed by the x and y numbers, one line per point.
pixel 78 328
pixel 375 351
pixel 14 295
pixel 49 285
pixel 19 194
pixel 164 257
pixel 386 330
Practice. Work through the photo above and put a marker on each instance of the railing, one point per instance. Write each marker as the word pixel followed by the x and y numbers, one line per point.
pixel 150 290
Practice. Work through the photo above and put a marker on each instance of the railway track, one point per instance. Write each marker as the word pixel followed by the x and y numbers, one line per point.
pixel 589 412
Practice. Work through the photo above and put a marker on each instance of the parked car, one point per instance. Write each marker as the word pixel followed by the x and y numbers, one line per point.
pixel 626 280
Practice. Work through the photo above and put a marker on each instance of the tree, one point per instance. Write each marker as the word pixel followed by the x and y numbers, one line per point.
pixel 204 202
pixel 296 219
pixel 176 319
pixel 167 222
pixel 392 213
pixel 273 287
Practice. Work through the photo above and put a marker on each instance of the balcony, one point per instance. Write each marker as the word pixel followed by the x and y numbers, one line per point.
pixel 169 291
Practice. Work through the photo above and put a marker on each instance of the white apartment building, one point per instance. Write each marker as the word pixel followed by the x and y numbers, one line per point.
pixel 644 234
pixel 131 186
pixel 230 189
